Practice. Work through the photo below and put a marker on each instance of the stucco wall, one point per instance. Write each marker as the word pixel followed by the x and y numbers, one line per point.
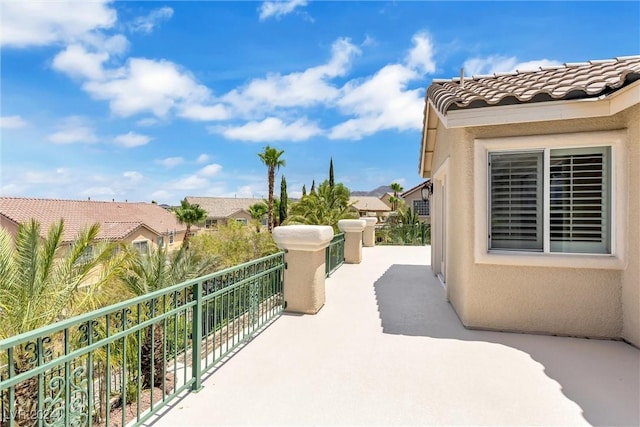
pixel 567 301
pixel 145 234
pixel 631 275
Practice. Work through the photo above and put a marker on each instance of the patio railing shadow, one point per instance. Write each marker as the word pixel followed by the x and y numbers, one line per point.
pixel 412 302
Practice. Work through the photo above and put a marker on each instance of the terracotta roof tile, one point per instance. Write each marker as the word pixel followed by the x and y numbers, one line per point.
pixel 569 81
pixel 117 219
pixel 222 207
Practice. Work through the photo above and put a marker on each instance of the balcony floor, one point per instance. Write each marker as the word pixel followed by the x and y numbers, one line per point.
pixel 387 349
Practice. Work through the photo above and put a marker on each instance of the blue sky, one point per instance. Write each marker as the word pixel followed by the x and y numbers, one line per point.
pixel 151 100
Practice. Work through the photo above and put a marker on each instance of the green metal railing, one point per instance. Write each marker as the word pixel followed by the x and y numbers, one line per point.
pixel 403 234
pixel 334 254
pixel 94 369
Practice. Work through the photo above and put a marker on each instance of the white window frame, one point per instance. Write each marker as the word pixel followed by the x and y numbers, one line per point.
pixel 135 244
pixel 613 139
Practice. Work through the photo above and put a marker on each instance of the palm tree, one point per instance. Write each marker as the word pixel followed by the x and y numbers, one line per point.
pixel 151 272
pixel 189 214
pixel 271 158
pixel 325 207
pixel 257 211
pixel 42 281
pixel 397 188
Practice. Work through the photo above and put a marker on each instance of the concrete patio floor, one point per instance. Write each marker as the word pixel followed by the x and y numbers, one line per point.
pixel 388 349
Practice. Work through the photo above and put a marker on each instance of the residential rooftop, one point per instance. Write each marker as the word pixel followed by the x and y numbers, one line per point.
pixel 117 219
pixel 563 82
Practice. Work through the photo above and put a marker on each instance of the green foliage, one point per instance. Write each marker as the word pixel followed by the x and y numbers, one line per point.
pixel 404 228
pixel 326 207
pixel 271 159
pixel 189 214
pixel 397 188
pixel 42 280
pixel 258 211
pixel 284 201
pixel 235 244
pixel 332 181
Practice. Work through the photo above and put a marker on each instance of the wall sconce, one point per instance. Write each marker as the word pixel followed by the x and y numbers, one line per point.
pixel 426 190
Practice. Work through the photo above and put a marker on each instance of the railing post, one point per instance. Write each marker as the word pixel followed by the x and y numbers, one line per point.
pixel 352 229
pixel 369 234
pixel 305 256
pixel 196 337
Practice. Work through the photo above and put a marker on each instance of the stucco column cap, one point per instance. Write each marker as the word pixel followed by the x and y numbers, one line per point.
pixel 303 237
pixel 351 225
pixel 371 220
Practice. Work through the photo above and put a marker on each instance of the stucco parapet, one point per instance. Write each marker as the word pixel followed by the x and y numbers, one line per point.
pixel 370 220
pixel 351 225
pixel 303 237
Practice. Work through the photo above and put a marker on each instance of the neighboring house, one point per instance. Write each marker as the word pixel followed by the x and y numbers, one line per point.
pixel 370 206
pixel 386 199
pixel 222 209
pixel 536 203
pixel 144 225
pixel 413 199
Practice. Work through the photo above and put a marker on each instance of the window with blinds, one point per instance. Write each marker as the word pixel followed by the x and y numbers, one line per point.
pixel 516 201
pixel 578 199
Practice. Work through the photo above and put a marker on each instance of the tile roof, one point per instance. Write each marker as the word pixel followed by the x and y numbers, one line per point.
pixel 569 81
pixel 117 219
pixel 369 203
pixel 222 207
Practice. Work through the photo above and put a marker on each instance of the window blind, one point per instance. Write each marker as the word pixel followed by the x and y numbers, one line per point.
pixel 578 200
pixel 516 201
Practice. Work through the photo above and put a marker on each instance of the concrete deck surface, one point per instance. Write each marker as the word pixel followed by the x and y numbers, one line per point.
pixel 388 349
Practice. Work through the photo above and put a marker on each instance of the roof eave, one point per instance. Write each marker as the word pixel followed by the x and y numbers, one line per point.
pixel 603 106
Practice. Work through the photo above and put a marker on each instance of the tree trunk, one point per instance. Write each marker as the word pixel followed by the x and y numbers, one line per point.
pixel 149 365
pixel 270 210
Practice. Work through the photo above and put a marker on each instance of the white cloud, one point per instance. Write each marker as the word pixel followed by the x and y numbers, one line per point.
pixel 149 121
pixel 502 64
pixel 145 85
pixel 279 8
pixel 210 170
pixel 204 112
pixel 421 56
pixel 131 139
pixel 202 158
pixel 74 130
pixel 190 182
pixel 384 100
pixel 39 23
pixel 145 24
pixel 170 162
pixel 300 89
pixel 270 129
pixel 133 176
pixel 75 61
pixel 12 122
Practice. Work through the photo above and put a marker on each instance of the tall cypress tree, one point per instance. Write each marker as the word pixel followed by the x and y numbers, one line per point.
pixel 304 190
pixel 283 200
pixel 313 187
pixel 331 181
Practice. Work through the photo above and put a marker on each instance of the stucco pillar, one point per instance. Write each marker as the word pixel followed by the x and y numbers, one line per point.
pixel 369 234
pixel 305 257
pixel 352 229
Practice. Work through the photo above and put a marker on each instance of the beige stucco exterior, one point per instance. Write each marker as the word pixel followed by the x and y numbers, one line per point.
pixel 596 302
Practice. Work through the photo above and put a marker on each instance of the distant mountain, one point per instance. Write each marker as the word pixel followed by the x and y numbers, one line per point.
pixel 375 193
